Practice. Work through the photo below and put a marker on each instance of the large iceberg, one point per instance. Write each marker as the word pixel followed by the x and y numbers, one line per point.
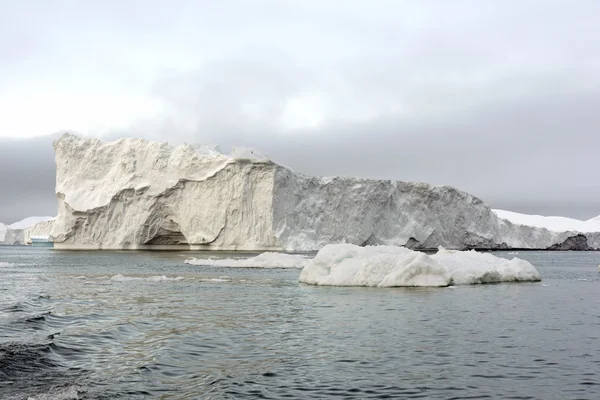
pixel 387 266
pixel 138 194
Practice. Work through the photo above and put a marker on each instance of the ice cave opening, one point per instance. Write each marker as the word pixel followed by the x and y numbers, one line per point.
pixel 169 233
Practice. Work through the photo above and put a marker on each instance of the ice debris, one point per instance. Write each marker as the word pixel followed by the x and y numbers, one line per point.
pixel 264 260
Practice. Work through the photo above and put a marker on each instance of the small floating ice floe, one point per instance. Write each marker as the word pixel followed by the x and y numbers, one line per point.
pixel 388 266
pixel 215 280
pixel 156 278
pixel 264 260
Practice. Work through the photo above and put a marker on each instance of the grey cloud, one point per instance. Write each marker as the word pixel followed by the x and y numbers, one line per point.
pixel 496 98
pixel 529 154
pixel 27 178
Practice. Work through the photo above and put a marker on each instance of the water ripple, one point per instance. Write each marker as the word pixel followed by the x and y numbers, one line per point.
pixel 164 329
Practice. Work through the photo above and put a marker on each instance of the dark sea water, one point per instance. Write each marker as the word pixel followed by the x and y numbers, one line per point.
pixel 135 325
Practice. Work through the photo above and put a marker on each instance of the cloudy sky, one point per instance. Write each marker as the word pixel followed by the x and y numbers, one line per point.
pixel 498 98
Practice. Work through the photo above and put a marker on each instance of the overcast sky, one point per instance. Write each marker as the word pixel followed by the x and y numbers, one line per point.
pixel 498 98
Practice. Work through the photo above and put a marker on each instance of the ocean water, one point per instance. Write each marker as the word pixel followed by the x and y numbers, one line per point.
pixel 136 325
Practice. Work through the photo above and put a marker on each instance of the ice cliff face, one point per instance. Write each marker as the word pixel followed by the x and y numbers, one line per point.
pixel 41 229
pixel 9 235
pixel 136 194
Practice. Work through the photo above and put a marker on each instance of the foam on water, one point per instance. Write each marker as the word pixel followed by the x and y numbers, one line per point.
pixel 4 264
pixel 157 278
pixel 216 280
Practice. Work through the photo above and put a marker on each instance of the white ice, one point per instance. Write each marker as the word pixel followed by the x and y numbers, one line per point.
pixel 131 191
pixel 264 260
pixel 555 224
pixel 157 278
pixel 248 153
pixel 28 222
pixel 389 266
pixel 216 280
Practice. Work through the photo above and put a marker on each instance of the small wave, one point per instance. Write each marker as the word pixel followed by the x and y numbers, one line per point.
pixel 34 373
pixel 215 280
pixel 4 264
pixel 157 278
pixel 63 393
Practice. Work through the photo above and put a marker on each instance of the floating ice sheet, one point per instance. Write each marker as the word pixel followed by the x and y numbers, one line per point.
pixel 388 266
pixel 264 260
pixel 156 278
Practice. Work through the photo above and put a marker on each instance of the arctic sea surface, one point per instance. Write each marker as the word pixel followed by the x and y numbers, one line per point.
pixel 136 325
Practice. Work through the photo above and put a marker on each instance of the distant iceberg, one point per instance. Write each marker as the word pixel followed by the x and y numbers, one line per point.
pixel 389 266
pixel 21 231
pixel 264 260
pixel 554 224
pixel 28 222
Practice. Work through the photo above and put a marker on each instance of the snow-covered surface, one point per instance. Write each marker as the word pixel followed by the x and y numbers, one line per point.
pixel 264 260
pixel 28 222
pixel 595 220
pixel 388 266
pixel 555 224
pixel 138 194
pixel 248 153
pixel 471 267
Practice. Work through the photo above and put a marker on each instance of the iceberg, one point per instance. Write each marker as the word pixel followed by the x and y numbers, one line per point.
pixel 29 222
pixel 40 231
pixel 388 266
pixel 555 224
pixel 138 194
pixel 20 231
pixel 264 260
